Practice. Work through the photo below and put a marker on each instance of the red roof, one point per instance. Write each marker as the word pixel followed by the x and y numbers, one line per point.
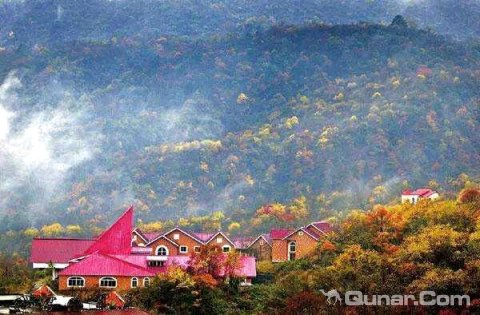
pixel 98 264
pixel 57 250
pixel 276 234
pixel 116 239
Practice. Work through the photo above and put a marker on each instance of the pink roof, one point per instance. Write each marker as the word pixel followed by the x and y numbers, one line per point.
pixel 201 236
pixel 276 234
pixel 314 232
pixel 141 260
pixel 422 192
pixel 116 239
pixel 247 268
pixel 57 250
pixel 98 264
pixel 151 236
pixel 322 226
pixel 242 241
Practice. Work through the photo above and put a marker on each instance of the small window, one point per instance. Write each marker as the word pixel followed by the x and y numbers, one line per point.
pixel 196 249
pixel 226 248
pixel 176 236
pixel 261 242
pixel 300 233
pixel 76 282
pixel 108 282
pixel 146 282
pixel 134 282
pixel 162 251
pixel 219 240
pixel 155 263
pixel 183 249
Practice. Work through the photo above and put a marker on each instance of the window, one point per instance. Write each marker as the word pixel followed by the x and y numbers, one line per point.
pixel 146 282
pixel 300 233
pixel 162 251
pixel 226 248
pixel 108 282
pixel 261 243
pixel 134 282
pixel 219 240
pixel 196 249
pixel 176 236
pixel 292 248
pixel 183 249
pixel 77 282
pixel 155 263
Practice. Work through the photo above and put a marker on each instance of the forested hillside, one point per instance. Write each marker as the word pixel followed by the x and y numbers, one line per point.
pixel 49 21
pixel 344 115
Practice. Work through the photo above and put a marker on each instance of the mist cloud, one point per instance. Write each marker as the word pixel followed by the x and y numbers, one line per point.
pixel 39 149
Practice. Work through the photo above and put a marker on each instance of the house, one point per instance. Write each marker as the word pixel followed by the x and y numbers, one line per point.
pixel 260 248
pixel 122 258
pixel 291 244
pixel 413 196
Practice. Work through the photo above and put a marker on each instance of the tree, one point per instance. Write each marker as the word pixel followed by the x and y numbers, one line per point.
pixel 399 21
pixel 469 195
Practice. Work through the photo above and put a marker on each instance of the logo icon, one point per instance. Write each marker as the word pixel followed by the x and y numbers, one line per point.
pixel 332 296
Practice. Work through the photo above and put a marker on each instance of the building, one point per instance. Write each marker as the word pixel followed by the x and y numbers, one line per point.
pixel 260 248
pixel 289 244
pixel 413 196
pixel 120 259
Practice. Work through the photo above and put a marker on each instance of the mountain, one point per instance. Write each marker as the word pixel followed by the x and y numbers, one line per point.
pixel 48 21
pixel 346 115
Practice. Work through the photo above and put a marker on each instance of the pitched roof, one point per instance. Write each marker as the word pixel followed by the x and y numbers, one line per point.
pixel 266 237
pixel 304 230
pixel 223 234
pixel 322 226
pixel 277 234
pixel 57 250
pixel 202 236
pixel 151 236
pixel 242 241
pixel 140 234
pixel 146 236
pixel 98 264
pixel 175 229
pixel 117 238
pixel 422 192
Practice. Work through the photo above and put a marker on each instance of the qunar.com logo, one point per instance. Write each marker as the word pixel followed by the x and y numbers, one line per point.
pixel 424 298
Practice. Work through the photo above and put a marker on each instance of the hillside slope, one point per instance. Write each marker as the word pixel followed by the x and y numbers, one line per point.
pixel 342 114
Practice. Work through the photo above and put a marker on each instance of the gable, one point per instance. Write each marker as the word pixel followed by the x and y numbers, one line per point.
pixel 224 240
pixel 183 237
pixel 117 239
